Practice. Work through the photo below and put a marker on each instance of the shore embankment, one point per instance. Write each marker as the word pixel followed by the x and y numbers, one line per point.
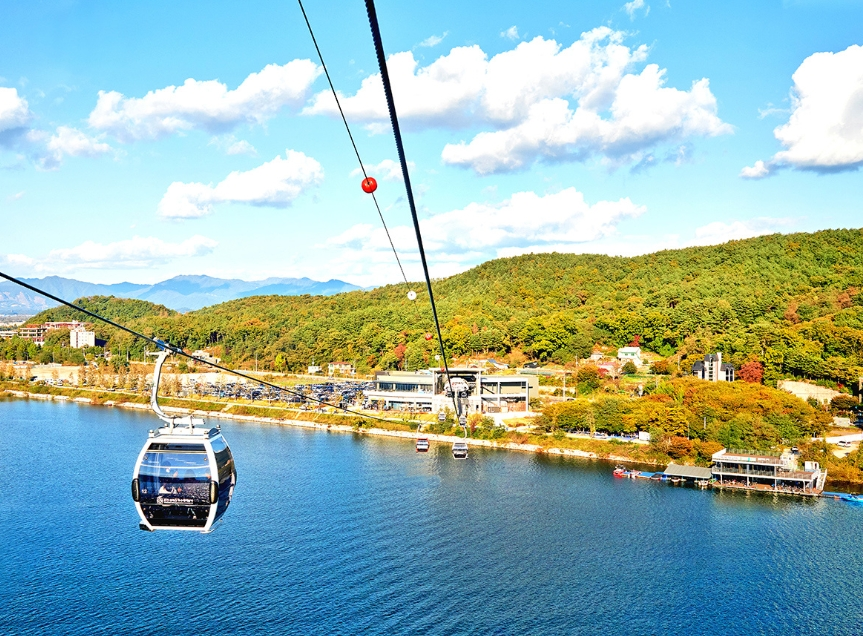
pixel 544 444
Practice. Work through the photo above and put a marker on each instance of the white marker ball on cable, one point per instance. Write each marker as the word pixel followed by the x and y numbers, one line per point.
pixel 412 295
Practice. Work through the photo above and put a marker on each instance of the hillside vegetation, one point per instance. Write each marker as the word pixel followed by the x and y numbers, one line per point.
pixel 792 302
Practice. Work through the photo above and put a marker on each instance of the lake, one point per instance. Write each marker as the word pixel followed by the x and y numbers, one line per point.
pixel 333 533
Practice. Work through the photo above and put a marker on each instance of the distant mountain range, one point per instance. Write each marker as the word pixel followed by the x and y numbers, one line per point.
pixel 182 293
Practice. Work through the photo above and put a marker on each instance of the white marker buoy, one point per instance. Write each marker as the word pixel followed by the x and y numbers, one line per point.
pixel 412 295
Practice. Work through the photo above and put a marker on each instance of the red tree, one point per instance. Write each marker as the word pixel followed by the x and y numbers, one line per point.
pixel 751 372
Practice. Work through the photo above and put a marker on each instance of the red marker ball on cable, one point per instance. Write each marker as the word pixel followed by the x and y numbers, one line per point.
pixel 428 336
pixel 369 185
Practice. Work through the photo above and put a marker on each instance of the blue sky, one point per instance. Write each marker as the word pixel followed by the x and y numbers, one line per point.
pixel 142 141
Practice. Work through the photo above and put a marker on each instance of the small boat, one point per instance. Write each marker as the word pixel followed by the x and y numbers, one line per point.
pixel 702 483
pixel 422 444
pixel 459 450
pixel 676 480
pixel 853 498
pixel 657 477
pixel 634 473
pixel 619 471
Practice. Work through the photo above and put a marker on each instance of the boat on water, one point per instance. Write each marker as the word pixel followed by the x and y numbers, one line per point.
pixel 619 471
pixel 702 483
pixel 634 473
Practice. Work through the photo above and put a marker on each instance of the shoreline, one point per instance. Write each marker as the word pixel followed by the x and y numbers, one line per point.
pixel 339 428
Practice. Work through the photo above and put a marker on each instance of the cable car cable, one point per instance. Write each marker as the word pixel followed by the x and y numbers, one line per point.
pixel 351 137
pixel 388 91
pixel 178 351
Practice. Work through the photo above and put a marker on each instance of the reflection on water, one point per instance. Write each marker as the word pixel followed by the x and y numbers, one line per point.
pixel 334 533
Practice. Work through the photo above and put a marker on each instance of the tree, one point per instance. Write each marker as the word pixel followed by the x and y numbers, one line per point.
pixel 629 368
pixel 752 372
pixel 661 367
pixel 843 404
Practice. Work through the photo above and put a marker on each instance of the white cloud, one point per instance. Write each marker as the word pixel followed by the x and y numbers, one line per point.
pixel 207 105
pixel 511 33
pixel 722 232
pixel 387 170
pixel 137 252
pixel 632 7
pixel 230 145
pixel 433 40
pixel 14 114
pixel 540 100
pixel 16 196
pixel 71 142
pixel 241 147
pixel 758 170
pixel 274 184
pixel 458 239
pixel 825 130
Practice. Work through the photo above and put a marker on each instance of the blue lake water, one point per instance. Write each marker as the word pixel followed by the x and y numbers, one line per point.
pixel 335 533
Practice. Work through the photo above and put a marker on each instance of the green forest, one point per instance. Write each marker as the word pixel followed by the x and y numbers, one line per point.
pixel 791 303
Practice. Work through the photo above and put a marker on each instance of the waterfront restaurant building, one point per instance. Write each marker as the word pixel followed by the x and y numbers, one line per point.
pixel 425 391
pixel 763 471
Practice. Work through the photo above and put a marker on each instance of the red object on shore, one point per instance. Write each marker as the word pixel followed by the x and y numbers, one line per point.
pixel 369 185
pixel 428 336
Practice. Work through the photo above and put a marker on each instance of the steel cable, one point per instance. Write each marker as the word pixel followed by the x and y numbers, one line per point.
pixel 178 351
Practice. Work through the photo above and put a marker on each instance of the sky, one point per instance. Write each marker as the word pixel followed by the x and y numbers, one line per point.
pixel 139 141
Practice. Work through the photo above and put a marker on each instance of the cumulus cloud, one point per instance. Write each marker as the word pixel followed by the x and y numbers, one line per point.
pixel 722 232
pixel 539 100
pixel 460 238
pixel 433 40
pixel 15 115
pixel 758 170
pixel 276 183
pixel 207 105
pixel 72 142
pixel 137 252
pixel 825 130
pixel 387 170
pixel 632 7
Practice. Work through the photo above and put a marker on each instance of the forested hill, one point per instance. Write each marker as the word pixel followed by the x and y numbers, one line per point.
pixel 792 302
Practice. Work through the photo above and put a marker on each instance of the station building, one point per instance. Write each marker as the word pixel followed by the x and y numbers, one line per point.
pixel 426 391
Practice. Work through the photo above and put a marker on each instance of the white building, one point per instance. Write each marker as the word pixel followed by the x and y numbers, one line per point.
pixel 630 354
pixel 79 338
pixel 713 369
pixel 426 391
pixel 340 368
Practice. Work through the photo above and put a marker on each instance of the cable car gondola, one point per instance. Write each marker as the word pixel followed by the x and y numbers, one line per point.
pixel 422 444
pixel 184 477
pixel 459 450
